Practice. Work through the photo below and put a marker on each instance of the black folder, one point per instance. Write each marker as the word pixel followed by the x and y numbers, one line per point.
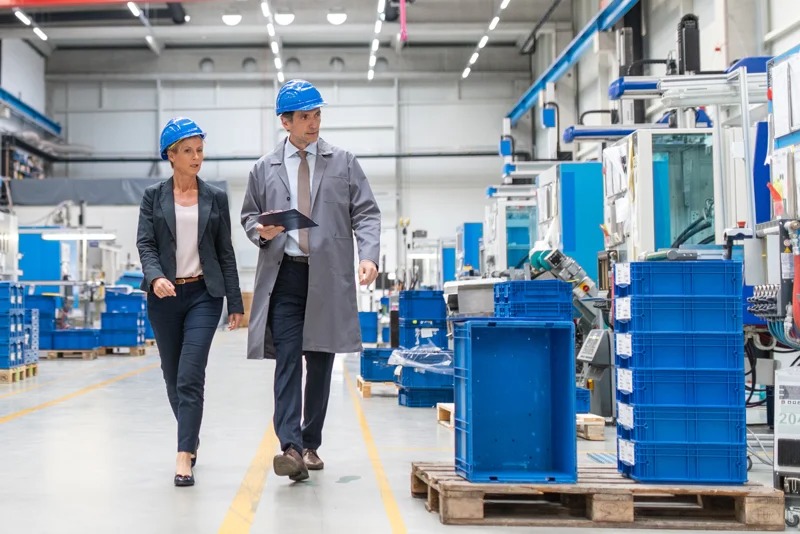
pixel 289 219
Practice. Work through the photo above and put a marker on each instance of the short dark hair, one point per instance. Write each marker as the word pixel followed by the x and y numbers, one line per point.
pixel 289 115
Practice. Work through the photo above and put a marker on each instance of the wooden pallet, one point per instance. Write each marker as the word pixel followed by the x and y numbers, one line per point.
pixel 31 370
pixel 591 427
pixel 149 342
pixel 601 498
pixel 72 354
pixel 365 387
pixel 12 376
pixel 446 414
pixel 123 351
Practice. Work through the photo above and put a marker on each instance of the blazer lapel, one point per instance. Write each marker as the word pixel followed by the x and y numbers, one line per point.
pixel 276 159
pixel 168 206
pixel 205 201
pixel 323 150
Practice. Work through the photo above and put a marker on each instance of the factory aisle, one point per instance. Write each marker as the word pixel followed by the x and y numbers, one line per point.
pixel 88 446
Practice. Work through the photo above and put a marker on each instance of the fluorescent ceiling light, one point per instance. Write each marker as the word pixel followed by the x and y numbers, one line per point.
pixel 372 61
pixel 370 74
pixel 484 40
pixel 474 58
pixel 78 236
pixel 381 6
pixel 265 9
pixel 378 25
pixel 278 63
pixel 280 77
pixel 275 48
pixel 271 29
pixel 231 19
pixel 284 19
pixel 505 4
pixel 337 18
pixel 375 44
pixel 187 18
pixel 466 72
pixel 149 39
pixel 134 9
pixel 494 23
pixel 22 17
pixel 40 34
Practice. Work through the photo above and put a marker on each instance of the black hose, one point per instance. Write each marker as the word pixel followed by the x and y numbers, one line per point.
pixel 686 230
pixel 610 112
pixel 645 62
pixel 704 226
pixel 707 241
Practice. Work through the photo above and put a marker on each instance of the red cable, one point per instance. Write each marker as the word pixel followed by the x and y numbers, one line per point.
pixel 795 289
pixel 403 25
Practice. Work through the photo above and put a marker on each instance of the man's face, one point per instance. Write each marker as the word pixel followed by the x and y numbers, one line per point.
pixel 303 127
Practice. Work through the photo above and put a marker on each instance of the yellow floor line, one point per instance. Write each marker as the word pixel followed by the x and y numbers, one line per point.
pixel 389 502
pixel 243 509
pixel 74 394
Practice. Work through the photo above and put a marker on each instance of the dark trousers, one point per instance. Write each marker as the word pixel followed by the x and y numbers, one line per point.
pixel 184 327
pixel 287 309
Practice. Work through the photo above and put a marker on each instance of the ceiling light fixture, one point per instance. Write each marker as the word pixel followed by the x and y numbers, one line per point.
pixel 370 75
pixel 265 10
pixel 284 19
pixel 375 45
pixel 281 79
pixel 278 63
pixel 134 9
pixel 274 46
pixel 187 18
pixel 273 41
pixel 484 39
pixel 337 18
pixel 271 29
pixel 22 17
pixel 372 61
pixel 378 26
pixel 381 6
pixel 231 19
pixel 39 33
pixel 78 236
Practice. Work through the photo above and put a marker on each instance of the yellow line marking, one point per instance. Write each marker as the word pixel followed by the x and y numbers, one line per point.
pixel 74 394
pixel 389 502
pixel 243 509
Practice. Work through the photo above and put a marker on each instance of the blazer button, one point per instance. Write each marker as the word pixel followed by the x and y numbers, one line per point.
pixel 289 198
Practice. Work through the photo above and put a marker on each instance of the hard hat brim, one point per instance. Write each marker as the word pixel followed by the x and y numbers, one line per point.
pixel 306 107
pixel 201 135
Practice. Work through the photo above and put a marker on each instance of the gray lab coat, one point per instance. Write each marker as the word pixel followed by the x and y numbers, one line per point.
pixel 342 203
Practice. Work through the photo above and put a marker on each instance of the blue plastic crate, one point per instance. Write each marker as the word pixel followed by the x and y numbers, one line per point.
pixel 11 298
pixel 12 353
pixel 412 335
pixel 148 328
pixel 515 401
pixel 714 424
pixel 536 311
pixel 683 463
pixel 694 387
pixel 720 278
pixel 369 326
pixel 416 378
pixel 132 303
pixel 76 339
pixel 678 314
pixel 31 356
pixel 533 291
pixel 45 340
pixel 122 338
pixel 386 334
pixel 675 350
pixel 375 366
pixel 123 321
pixel 423 398
pixel 583 400
pixel 48 305
pixel 422 305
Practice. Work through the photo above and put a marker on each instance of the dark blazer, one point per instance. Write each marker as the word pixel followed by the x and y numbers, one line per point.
pixel 157 244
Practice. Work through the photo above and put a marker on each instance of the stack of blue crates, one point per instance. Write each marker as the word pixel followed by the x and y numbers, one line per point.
pixel 423 388
pixel 32 330
pixel 12 320
pixel 124 321
pixel 422 318
pixel 679 353
pixel 369 326
pixel 48 307
pixel 375 365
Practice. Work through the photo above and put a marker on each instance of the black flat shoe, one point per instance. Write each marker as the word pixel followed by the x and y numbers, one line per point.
pixel 194 458
pixel 183 481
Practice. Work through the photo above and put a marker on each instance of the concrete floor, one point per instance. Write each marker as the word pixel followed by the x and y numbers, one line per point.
pixel 88 446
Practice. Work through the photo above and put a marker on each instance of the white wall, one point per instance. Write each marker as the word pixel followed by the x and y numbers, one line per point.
pixel 783 14
pixel 22 72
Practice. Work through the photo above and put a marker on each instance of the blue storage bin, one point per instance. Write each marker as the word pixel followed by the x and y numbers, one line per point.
pixel 675 350
pixel 583 400
pixel 713 424
pixel 123 321
pixel 148 328
pixel 369 326
pixel 722 278
pixel 678 314
pixel 536 311
pixel 422 305
pixel 12 354
pixel 11 298
pixel 695 387
pixel 45 340
pixel 515 401
pixel 132 303
pixel 122 338
pixel 375 366
pixel 386 334
pixel 683 463
pixel 48 305
pixel 76 339
pixel 533 291
pixel 416 378
pixel 412 335
pixel 423 398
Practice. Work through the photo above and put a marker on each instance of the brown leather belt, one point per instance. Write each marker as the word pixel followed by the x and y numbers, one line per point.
pixel 181 281
pixel 297 259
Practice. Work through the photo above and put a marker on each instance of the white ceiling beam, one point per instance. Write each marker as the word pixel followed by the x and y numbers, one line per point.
pixel 261 76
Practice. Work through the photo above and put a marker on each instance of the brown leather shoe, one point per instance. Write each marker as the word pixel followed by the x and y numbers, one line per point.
pixel 290 464
pixel 312 460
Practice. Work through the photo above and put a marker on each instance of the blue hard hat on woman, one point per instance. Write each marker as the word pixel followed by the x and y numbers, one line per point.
pixel 298 95
pixel 178 129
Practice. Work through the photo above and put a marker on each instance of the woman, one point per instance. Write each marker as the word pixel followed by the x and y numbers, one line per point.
pixel 185 248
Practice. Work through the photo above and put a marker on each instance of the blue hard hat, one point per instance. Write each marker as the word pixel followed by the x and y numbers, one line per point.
pixel 298 95
pixel 177 129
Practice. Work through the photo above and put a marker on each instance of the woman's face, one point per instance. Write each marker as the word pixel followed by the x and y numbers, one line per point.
pixel 187 156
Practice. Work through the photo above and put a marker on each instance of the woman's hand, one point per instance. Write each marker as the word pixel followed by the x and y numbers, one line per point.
pixel 163 288
pixel 234 320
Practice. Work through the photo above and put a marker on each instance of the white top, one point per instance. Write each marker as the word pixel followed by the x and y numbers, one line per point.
pixel 187 254
pixel 291 159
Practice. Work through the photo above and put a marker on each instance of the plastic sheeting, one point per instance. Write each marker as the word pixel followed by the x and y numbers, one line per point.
pixel 428 357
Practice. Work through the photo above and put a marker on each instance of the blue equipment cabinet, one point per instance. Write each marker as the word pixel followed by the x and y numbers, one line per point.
pixel 46 260
pixel 468 240
pixel 448 264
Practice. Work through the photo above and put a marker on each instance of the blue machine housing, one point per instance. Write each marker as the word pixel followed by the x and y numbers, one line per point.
pixel 448 264
pixel 470 235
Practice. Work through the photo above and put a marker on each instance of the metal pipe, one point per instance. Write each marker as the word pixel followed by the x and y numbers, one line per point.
pixel 719 172
pixel 748 155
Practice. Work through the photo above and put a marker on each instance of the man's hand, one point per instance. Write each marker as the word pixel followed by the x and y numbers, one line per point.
pixel 163 288
pixel 367 272
pixel 234 320
pixel 268 233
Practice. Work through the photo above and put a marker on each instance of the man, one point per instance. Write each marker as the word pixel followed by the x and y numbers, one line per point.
pixel 305 299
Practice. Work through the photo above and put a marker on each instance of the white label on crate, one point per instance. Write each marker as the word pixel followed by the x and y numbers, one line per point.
pixel 627 452
pixel 625 415
pixel 624 345
pixel 622 274
pixel 625 380
pixel 426 333
pixel 623 309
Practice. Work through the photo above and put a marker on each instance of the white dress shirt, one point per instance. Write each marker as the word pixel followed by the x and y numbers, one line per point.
pixel 291 159
pixel 187 255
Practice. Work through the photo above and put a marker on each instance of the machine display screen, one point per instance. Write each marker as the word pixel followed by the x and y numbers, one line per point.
pixel 521 224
